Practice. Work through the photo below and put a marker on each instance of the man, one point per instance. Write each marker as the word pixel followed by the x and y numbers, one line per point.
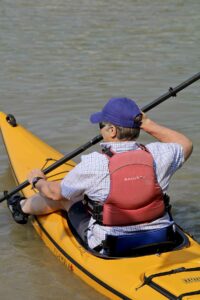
pixel 126 182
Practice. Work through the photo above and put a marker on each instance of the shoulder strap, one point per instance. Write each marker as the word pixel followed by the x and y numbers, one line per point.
pixel 143 147
pixel 108 152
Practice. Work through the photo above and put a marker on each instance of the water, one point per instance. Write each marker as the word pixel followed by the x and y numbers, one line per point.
pixel 60 61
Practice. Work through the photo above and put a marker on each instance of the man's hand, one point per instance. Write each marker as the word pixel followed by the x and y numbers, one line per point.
pixel 144 122
pixel 35 173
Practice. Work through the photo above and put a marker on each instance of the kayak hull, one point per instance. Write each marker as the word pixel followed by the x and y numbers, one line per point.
pixel 138 278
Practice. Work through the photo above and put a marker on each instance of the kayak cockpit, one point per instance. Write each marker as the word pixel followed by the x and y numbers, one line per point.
pixel 75 219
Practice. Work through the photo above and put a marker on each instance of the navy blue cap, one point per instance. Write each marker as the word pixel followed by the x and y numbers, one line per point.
pixel 118 111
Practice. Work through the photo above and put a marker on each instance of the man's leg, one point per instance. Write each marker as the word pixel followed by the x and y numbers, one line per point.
pixel 35 205
pixel 38 205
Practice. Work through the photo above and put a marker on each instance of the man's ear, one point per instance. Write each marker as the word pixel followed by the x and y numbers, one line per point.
pixel 113 131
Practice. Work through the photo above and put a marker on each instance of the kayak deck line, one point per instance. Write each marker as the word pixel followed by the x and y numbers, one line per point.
pixel 179 270
pixel 188 294
pixel 80 267
pixel 170 296
pixel 74 262
pixel 149 281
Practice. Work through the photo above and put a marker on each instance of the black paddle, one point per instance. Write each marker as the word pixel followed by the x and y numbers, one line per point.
pixel 172 92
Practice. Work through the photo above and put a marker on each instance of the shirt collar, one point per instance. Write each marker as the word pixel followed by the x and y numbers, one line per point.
pixel 120 146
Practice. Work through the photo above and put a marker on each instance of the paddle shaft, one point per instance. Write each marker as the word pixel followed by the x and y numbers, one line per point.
pixel 171 93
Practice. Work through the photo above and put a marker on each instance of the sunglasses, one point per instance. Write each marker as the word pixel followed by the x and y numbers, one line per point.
pixel 101 125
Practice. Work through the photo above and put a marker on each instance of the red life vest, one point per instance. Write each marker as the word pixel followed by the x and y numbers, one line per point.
pixel 135 195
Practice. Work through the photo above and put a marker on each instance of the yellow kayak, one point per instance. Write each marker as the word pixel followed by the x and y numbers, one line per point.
pixel 171 274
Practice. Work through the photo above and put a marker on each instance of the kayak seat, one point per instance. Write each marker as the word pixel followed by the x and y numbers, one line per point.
pixel 151 240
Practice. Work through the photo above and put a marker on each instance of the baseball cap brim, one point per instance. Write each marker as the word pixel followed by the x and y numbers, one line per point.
pixel 96 117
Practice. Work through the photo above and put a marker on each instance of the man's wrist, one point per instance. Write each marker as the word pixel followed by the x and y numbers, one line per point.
pixel 146 125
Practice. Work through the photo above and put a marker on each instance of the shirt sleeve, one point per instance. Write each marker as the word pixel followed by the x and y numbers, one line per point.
pixel 80 179
pixel 168 158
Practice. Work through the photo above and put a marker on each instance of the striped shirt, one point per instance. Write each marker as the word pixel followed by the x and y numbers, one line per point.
pixel 91 177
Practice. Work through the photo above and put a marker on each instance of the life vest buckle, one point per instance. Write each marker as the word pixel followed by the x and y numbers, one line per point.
pixel 95 208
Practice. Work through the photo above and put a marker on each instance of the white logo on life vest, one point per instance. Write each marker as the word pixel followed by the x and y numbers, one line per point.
pixel 133 178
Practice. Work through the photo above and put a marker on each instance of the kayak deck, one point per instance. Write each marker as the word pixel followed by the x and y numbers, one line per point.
pixel 138 278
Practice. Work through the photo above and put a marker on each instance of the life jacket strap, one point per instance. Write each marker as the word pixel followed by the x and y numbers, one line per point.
pixel 95 208
pixel 168 206
pixel 108 152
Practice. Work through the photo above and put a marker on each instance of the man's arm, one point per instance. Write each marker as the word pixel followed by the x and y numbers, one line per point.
pixel 166 135
pixel 48 189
